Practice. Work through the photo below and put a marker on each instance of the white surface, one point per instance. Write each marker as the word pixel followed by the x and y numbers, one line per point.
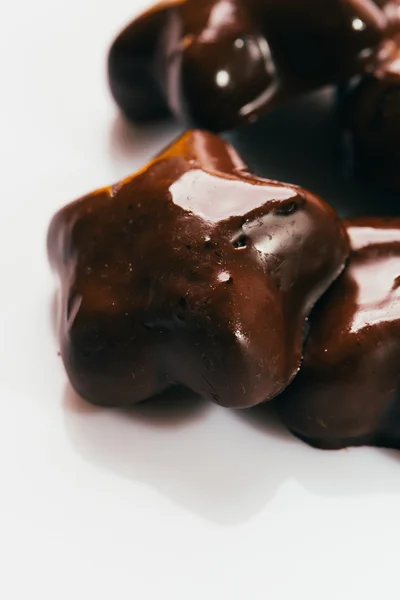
pixel 196 504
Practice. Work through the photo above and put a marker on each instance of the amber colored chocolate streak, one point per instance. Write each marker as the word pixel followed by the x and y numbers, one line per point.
pixel 221 63
pixel 348 390
pixel 192 272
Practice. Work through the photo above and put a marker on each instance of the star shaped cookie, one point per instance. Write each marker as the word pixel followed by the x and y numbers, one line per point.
pixel 192 272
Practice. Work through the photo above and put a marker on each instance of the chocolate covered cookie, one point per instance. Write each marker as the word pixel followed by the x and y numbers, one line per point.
pixel 371 118
pixel 218 64
pixel 191 272
pixel 348 390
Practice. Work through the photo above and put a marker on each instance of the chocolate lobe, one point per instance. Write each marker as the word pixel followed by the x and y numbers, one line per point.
pixel 131 68
pixel 347 392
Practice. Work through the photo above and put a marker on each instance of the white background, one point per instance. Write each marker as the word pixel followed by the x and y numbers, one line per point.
pixel 192 502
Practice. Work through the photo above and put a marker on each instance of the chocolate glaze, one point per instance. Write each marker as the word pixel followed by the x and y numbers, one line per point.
pixel 371 118
pixel 221 63
pixel 131 67
pixel 348 390
pixel 192 272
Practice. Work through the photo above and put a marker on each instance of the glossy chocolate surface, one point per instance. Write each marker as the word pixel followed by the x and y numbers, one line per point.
pixel 132 68
pixel 371 116
pixel 192 272
pixel 348 390
pixel 221 63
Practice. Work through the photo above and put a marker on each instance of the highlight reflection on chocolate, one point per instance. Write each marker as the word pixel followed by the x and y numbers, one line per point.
pixel 192 272
pixel 220 63
pixel 348 390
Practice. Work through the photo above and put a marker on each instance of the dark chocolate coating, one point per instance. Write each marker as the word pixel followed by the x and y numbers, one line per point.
pixel 192 272
pixel 348 390
pixel 131 68
pixel 371 118
pixel 222 63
